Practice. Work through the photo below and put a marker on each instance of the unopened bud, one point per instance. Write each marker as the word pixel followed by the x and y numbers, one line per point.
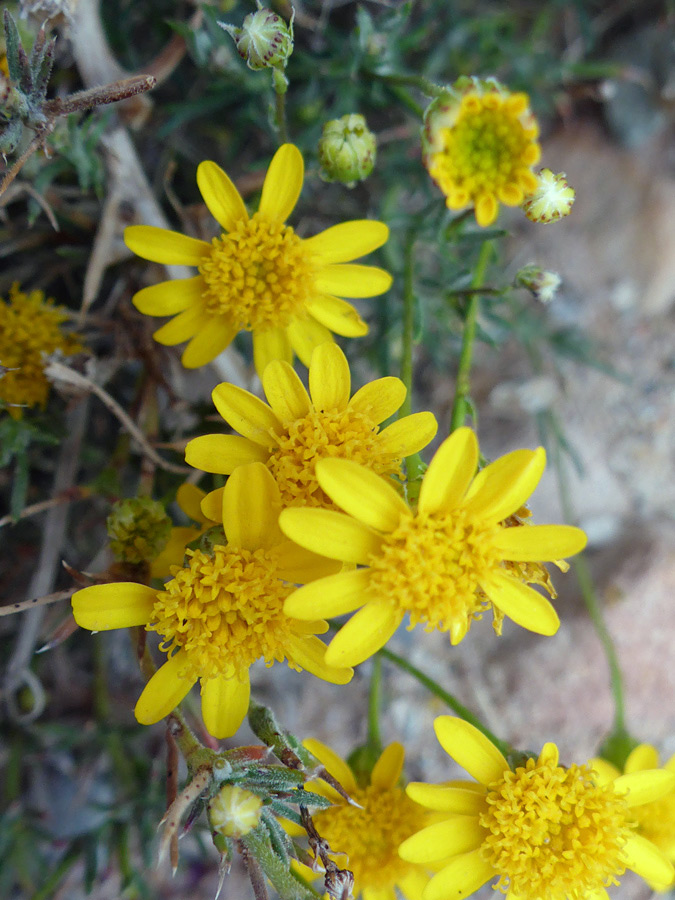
pixel 264 40
pixel 138 529
pixel 347 150
pixel 552 199
pixel 542 284
pixel 234 811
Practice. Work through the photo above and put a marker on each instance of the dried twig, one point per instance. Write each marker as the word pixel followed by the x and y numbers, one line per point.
pixel 60 374
pixel 74 493
pixel 22 605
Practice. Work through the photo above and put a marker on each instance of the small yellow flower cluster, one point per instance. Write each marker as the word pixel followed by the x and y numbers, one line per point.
pixel 30 329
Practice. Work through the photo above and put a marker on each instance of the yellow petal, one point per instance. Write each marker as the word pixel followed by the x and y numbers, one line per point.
pixel 464 875
pixel 408 435
pixel 470 749
pixel 443 839
pixel 647 860
pixel 331 534
pixel 208 343
pixel 379 399
pixel 412 884
pixel 387 770
pixel 537 543
pixel 300 566
pixel 336 315
pixel 169 297
pixel 163 246
pixel 251 507
pixel 378 893
pixel 247 414
pixel 220 195
pixel 270 345
pixel 222 453
pixel 283 183
pixel 511 195
pixel 464 800
pixel 189 499
pixel 305 336
pixel 361 493
pixel 503 487
pixel 486 210
pixel 329 378
pixel 225 703
pixel 645 786
pixel 183 326
pixel 309 652
pixel 333 596
pixel 335 766
pixel 365 633
pixel 642 757
pixel 521 603
pixel 285 392
pixel 450 472
pixel 605 772
pixel 549 755
pixel 351 280
pixel 212 505
pixel 103 607
pixel 164 691
pixel 347 241
pixel 173 552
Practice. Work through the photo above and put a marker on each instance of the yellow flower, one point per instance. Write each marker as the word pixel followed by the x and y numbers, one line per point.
pixel 480 143
pixel 655 820
pixel 221 613
pixel 443 564
pixel 188 498
pixel 369 834
pixel 296 429
pixel 234 811
pixel 259 275
pixel 547 832
pixel 30 327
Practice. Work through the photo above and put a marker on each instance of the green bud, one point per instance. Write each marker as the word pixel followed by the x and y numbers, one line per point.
pixel 542 284
pixel 347 150
pixel 234 811
pixel 264 40
pixel 138 529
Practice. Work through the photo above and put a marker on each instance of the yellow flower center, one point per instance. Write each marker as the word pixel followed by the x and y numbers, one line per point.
pixel 488 151
pixel 344 433
pixel 371 836
pixel 432 568
pixel 552 834
pixel 258 276
pixel 30 327
pixel 225 611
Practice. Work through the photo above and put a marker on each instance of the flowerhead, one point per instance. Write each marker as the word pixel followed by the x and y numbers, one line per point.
pixel 369 834
pixel 545 831
pixel 138 529
pixel 551 199
pixel 444 563
pixel 297 429
pixel 654 820
pixel 347 150
pixel 234 811
pixel 258 275
pixel 30 328
pixel 222 611
pixel 479 144
pixel 189 499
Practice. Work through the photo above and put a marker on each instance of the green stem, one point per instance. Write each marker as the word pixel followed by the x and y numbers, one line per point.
pixel 415 81
pixel 280 87
pixel 446 697
pixel 592 601
pixel 407 99
pixel 461 404
pixel 52 881
pixel 374 698
pixel 414 465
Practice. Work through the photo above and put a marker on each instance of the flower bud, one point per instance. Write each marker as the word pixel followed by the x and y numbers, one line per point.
pixel 347 150
pixel 138 529
pixel 264 40
pixel 542 284
pixel 551 200
pixel 234 811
